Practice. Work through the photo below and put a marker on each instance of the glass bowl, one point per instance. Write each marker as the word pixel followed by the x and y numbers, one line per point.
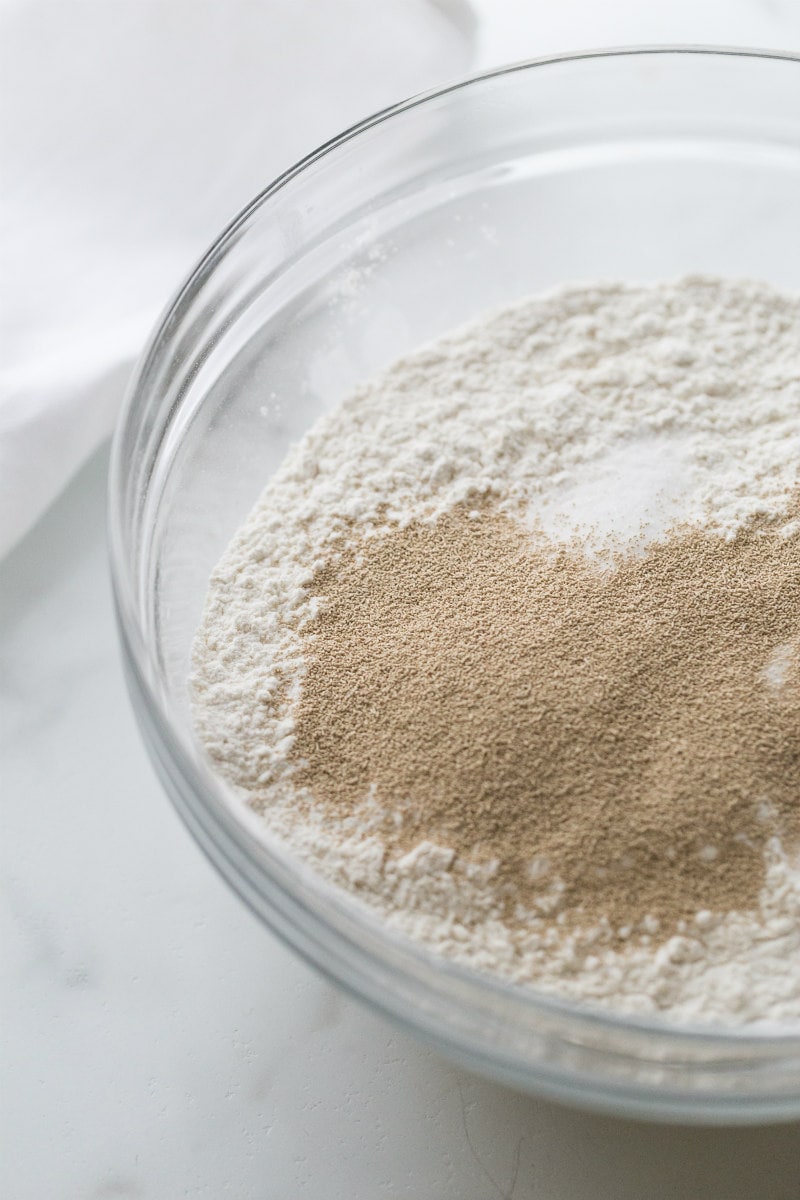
pixel 635 164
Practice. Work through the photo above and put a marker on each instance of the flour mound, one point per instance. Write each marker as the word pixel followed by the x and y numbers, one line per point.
pixel 607 411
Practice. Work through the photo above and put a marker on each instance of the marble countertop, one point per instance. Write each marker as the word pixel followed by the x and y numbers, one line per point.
pixel 157 1041
pixel 160 1043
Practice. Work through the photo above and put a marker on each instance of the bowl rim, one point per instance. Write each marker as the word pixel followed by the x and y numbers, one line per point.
pixel 141 660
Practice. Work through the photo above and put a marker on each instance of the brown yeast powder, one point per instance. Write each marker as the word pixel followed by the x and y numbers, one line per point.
pixel 622 738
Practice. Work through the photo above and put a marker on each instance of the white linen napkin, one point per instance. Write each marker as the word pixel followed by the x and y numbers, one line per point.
pixel 130 132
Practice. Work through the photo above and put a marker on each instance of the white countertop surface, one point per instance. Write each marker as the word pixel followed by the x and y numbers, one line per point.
pixel 161 1043
pixel 158 1042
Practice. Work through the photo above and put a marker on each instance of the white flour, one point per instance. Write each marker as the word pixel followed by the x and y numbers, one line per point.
pixel 623 406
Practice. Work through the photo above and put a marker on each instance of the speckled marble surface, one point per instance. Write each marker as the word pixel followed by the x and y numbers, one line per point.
pixel 156 1041
pixel 159 1043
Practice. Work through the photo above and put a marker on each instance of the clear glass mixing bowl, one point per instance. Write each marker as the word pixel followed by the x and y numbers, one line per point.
pixel 639 164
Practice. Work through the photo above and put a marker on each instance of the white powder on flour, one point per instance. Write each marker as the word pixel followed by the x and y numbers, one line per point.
pixel 611 405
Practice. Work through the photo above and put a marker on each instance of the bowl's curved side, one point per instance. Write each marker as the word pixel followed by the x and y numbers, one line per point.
pixel 192 415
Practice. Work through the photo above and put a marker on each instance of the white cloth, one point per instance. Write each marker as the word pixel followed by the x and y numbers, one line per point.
pixel 130 132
